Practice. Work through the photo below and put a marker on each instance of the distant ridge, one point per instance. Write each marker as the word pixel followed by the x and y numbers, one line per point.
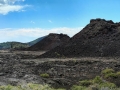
pixel 13 45
pixel 100 38
pixel 35 41
pixel 49 42
pixel 19 45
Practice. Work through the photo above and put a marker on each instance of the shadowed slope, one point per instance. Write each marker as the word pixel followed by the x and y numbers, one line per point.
pixel 49 42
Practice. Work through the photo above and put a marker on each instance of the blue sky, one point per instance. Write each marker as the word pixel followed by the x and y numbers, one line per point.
pixel 26 20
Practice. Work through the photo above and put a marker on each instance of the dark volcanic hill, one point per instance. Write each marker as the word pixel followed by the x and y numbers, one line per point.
pixel 49 42
pixel 99 38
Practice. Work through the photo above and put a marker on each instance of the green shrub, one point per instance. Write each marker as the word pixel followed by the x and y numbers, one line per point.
pixel 86 83
pixel 98 80
pixel 29 86
pixel 93 87
pixel 107 71
pixel 75 87
pixel 107 84
pixel 44 75
pixel 118 74
pixel 111 75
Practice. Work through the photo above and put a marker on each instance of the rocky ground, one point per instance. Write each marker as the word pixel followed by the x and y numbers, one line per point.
pixel 19 67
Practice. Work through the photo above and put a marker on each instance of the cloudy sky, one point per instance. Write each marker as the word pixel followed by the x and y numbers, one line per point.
pixel 26 20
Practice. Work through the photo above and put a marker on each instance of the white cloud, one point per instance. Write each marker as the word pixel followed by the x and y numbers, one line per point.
pixel 10 1
pixel 7 6
pixel 29 34
pixel 5 9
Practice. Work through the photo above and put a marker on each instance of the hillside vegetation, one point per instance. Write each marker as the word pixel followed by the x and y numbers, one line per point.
pixel 13 45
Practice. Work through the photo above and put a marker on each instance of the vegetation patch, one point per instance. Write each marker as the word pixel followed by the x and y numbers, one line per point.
pixel 98 83
pixel 29 86
pixel 107 71
pixel 44 75
pixel 86 83
pixel 97 80
pixel 110 74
